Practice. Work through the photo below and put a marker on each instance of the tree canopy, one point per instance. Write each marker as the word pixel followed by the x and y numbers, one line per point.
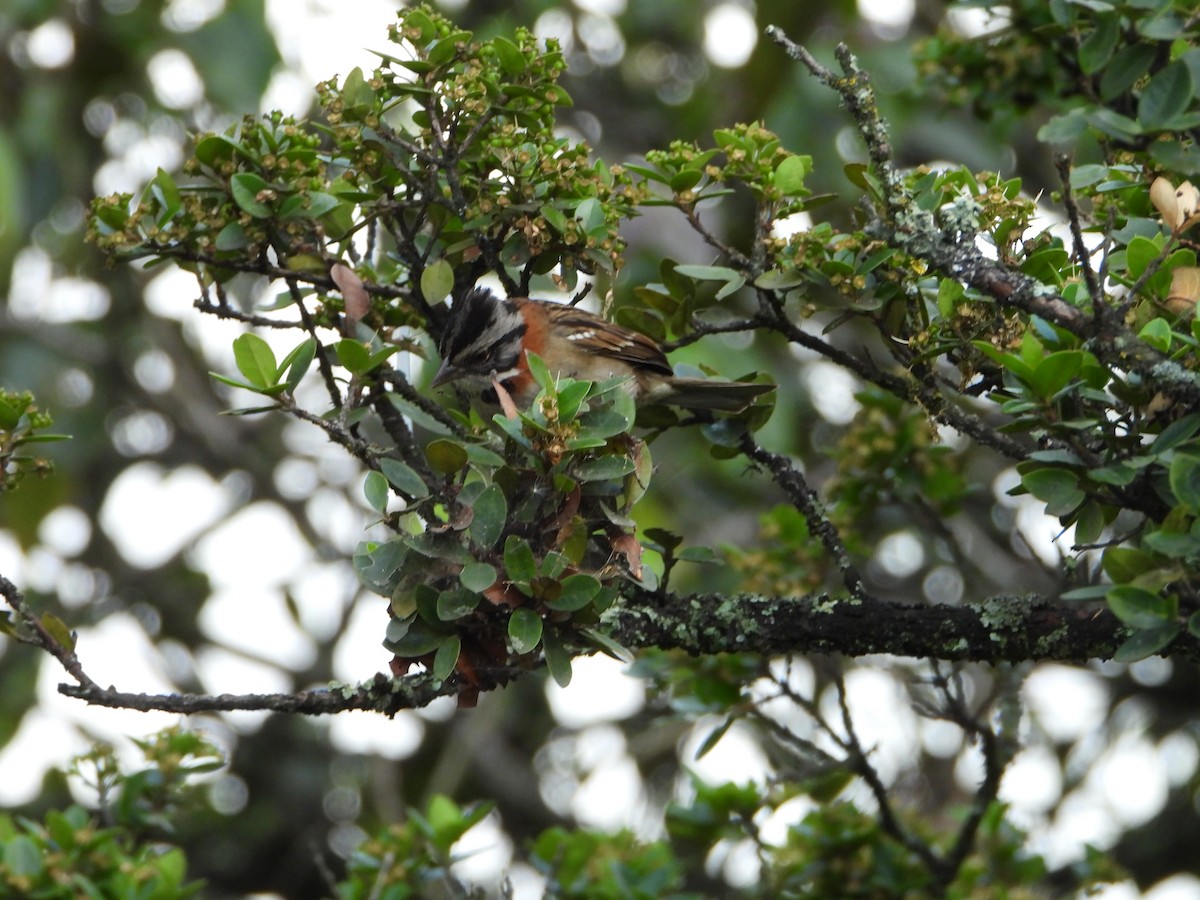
pixel 975 297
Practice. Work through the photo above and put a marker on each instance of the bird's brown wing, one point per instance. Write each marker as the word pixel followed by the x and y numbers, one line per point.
pixel 603 338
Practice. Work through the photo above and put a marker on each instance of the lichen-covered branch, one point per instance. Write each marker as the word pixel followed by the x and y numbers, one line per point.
pixel 1002 628
pixel 950 248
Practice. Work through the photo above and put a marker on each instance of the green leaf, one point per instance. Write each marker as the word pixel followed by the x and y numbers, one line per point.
pixel 477 577
pixel 1146 642
pixel 418 640
pixel 576 592
pixel 376 564
pixel 353 356
pixel 1184 477
pixel 455 603
pixel 58 630
pixel 553 565
pixel 570 396
pixel 1019 367
pixel 733 279
pixel 790 175
pixel 1157 333
pixel 1087 175
pixel 714 737
pixel 317 204
pixel 482 456
pixel 698 555
pixel 540 372
pixel 1063 129
pixel 524 630
pixel 491 511
pixel 375 488
pixel 356 93
pixel 780 279
pixel 298 362
pixel 417 415
pixel 1193 624
pixel 167 193
pixel 1167 95
pixel 604 468
pixel 1098 46
pixel 685 180
pixel 1176 433
pixel 213 149
pixel 446 658
pixel 446 456
pixel 60 829
pixel 22 858
pixel 1090 592
pixel 1125 564
pixel 1058 488
pixel 1055 371
pixel 246 386
pixel 437 281
pixel 558 660
pixel 404 478
pixel 509 55
pixel 1141 608
pixel 614 649
pixel 555 218
pixel 246 188
pixel 1114 124
pixel 590 216
pixel 10 413
pixel 1139 253
pixel 1127 66
pixel 255 360
pixel 1175 544
pixel 1089 523
pixel 861 176
pixel 519 563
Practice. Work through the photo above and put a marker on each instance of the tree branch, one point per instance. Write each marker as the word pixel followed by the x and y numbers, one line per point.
pixel 805 499
pixel 1008 628
pixel 383 694
pixel 951 249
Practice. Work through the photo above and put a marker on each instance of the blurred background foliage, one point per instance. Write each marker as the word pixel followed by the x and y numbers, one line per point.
pixel 96 95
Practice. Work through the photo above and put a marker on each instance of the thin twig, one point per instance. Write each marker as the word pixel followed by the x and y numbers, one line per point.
pixel 42 637
pixel 1063 163
pixel 386 695
pixel 805 499
pixel 887 816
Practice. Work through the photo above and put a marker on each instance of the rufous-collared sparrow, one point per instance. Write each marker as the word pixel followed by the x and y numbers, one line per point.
pixel 487 337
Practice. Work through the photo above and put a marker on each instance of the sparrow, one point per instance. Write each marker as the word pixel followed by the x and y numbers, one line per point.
pixel 487 338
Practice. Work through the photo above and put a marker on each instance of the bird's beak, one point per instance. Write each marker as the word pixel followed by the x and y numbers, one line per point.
pixel 445 374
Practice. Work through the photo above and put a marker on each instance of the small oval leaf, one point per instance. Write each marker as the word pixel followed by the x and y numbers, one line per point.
pixel 477 577
pixel 404 478
pixel 446 658
pixel 524 630
pixel 446 456
pixel 491 510
pixel 437 281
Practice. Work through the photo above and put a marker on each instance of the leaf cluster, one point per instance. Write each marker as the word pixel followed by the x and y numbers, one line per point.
pixel 21 424
pixel 1125 71
pixel 520 545
pixel 69 854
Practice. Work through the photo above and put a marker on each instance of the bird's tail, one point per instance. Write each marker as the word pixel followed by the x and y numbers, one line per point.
pixel 703 394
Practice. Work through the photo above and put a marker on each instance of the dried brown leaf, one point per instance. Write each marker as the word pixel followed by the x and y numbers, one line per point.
pixel 1185 290
pixel 354 295
pixel 1162 195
